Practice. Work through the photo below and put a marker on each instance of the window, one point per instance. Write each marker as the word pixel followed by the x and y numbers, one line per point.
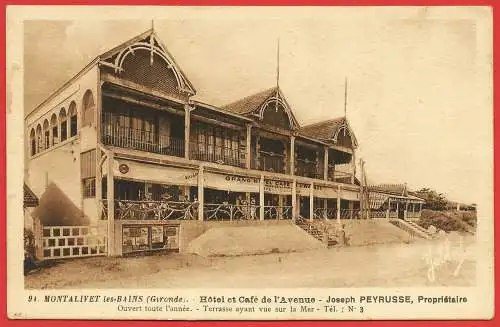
pixel 73 120
pixel 54 130
pixel 64 124
pixel 33 142
pixel 89 187
pixel 88 173
pixel 88 108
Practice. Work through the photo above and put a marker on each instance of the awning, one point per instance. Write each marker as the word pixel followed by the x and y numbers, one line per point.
pixel 141 171
pixel 230 182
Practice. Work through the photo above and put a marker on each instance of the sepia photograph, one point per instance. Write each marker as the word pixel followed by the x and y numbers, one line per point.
pixel 252 148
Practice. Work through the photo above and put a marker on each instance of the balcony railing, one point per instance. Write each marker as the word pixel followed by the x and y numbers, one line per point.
pixel 269 161
pixel 151 210
pixel 322 213
pixel 307 168
pixel 215 153
pixel 126 137
pixel 278 212
pixel 227 211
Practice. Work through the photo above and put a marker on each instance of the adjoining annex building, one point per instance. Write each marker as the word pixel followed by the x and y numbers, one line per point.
pixel 124 159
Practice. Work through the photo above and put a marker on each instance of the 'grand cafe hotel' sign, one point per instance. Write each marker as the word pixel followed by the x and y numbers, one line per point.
pixel 129 147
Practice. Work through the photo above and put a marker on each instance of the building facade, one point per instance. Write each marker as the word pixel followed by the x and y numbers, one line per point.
pixel 126 143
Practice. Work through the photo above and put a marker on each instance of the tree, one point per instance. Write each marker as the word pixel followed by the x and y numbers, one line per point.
pixel 433 200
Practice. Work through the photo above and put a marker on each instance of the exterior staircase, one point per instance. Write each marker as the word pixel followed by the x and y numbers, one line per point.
pixel 412 228
pixel 317 230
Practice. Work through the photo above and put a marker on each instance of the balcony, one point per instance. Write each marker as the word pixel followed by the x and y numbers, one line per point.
pixel 215 153
pixel 269 161
pixel 307 168
pixel 125 137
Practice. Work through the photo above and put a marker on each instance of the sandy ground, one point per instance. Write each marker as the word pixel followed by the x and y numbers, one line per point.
pixel 369 266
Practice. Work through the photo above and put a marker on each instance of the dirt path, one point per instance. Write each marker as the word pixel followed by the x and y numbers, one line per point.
pixel 387 265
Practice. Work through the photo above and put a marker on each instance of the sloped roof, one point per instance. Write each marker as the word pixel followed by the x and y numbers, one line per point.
pixel 394 189
pixel 250 103
pixel 323 130
pixel 30 199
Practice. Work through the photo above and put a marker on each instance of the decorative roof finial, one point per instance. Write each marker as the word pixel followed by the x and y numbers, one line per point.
pixel 277 74
pixel 345 98
pixel 278 65
pixel 152 24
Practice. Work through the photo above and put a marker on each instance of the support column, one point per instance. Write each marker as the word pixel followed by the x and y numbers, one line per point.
pixel 325 164
pixel 294 200
pixel 280 204
pixel 388 214
pixel 261 198
pixel 406 211
pixel 351 209
pixel 201 193
pixel 311 202
pixel 397 209
pixel 248 154
pixel 353 168
pixel 185 192
pixel 325 208
pixel 98 182
pixel 292 155
pixel 111 205
pixel 339 191
pixel 187 129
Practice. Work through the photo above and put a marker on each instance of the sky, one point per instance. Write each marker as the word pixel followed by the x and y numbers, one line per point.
pixel 419 79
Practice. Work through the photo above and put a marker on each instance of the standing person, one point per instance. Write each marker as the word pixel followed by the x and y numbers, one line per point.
pixel 253 208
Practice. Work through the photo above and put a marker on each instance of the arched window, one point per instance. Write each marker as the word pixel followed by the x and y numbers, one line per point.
pixel 88 107
pixel 38 133
pixel 33 142
pixel 73 120
pixel 46 134
pixel 55 129
pixel 63 120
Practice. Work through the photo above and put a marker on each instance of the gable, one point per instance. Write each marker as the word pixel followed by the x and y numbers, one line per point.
pixel 335 130
pixel 145 61
pixel 268 107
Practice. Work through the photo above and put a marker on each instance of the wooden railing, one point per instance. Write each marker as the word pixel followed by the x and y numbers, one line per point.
pixel 272 162
pixel 278 212
pixel 137 139
pixel 322 213
pixel 227 211
pixel 308 168
pixel 151 210
pixel 215 153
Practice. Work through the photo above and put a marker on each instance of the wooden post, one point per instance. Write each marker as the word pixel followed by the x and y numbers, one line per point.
pixel 280 204
pixel 325 164
pixel 397 209
pixel 351 210
pixel 311 202
pixel 388 214
pixel 353 168
pixel 261 198
pixel 405 215
pixel 201 193
pixel 187 129
pixel 111 205
pixel 38 235
pixel 325 208
pixel 98 182
pixel 248 158
pixel 339 190
pixel 292 155
pixel 294 200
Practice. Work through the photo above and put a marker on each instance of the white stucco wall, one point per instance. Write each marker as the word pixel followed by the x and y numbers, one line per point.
pixel 60 164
